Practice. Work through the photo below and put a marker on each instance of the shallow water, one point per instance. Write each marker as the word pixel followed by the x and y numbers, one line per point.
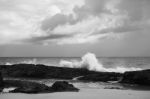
pixel 89 85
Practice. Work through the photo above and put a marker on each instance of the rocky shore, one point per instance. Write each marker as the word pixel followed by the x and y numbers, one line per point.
pixel 51 72
pixel 34 87
pixel 136 77
pixel 141 77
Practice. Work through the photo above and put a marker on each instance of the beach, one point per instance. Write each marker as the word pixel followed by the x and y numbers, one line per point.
pixel 101 89
pixel 84 93
pixel 74 49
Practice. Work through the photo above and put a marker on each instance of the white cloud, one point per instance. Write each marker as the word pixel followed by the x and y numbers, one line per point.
pixel 112 6
pixel 81 39
pixel 90 29
pixel 53 10
pixel 92 24
pixel 17 27
pixel 21 19
pixel 68 21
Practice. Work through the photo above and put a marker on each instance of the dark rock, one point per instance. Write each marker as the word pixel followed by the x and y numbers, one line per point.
pixel 102 76
pixel 48 72
pixel 1 82
pixel 33 87
pixel 42 71
pixel 63 86
pixel 137 77
pixel 28 90
pixel 27 87
pixel 113 87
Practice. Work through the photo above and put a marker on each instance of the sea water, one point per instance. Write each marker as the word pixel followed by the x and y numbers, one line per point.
pixel 108 62
pixel 89 61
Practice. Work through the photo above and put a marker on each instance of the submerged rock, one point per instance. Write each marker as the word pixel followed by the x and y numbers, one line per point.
pixel 137 77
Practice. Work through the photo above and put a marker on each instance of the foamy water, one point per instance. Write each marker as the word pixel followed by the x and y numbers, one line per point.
pixel 89 61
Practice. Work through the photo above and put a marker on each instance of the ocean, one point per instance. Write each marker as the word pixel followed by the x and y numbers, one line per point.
pixel 107 62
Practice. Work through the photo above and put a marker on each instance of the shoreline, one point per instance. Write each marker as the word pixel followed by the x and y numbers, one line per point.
pixel 88 88
pixel 85 93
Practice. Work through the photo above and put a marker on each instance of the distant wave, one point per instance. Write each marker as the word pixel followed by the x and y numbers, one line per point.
pixel 8 63
pixel 33 61
pixel 90 62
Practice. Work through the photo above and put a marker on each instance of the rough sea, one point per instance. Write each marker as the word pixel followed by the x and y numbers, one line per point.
pixel 111 62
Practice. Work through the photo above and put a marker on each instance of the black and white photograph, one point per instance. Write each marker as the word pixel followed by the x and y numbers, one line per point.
pixel 74 49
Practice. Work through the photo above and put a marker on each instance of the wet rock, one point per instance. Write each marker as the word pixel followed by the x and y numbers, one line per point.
pixel 63 86
pixel 113 87
pixel 27 87
pixel 30 90
pixel 34 87
pixel 1 82
pixel 102 76
pixel 40 71
pixel 137 77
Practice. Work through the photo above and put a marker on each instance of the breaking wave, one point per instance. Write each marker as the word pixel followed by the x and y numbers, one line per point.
pixel 90 62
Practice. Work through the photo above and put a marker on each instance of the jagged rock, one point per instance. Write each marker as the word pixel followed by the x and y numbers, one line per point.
pixel 137 77
pixel 63 86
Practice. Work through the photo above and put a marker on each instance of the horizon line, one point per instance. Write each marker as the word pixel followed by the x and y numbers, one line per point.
pixel 73 56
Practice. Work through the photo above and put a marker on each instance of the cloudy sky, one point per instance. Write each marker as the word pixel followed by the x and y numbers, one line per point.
pixel 74 27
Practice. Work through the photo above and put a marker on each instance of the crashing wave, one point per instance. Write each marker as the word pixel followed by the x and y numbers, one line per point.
pixel 90 62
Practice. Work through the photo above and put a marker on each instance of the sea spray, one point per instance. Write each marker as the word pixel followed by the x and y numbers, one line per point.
pixel 90 62
pixel 8 63
pixel 33 61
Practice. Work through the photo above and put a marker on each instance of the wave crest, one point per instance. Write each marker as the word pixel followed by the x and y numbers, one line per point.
pixel 90 62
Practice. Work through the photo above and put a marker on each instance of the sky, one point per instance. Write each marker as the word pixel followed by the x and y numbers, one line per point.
pixel 68 28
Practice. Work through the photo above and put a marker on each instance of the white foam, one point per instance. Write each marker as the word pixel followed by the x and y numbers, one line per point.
pixel 6 90
pixel 8 63
pixel 90 62
pixel 33 61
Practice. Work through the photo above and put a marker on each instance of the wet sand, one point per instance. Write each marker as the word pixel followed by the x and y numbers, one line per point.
pixel 83 94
